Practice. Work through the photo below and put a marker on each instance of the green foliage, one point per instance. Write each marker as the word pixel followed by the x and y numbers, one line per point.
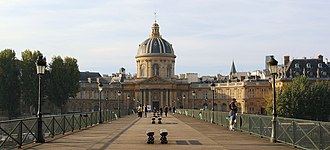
pixel 63 80
pixel 9 81
pixel 306 100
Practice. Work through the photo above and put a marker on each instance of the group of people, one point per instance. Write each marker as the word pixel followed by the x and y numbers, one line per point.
pixel 144 109
pixel 232 112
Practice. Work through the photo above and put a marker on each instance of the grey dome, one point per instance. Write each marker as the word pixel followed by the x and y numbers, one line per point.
pixel 155 45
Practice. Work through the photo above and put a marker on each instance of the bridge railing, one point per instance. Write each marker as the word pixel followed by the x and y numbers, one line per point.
pixel 15 133
pixel 300 133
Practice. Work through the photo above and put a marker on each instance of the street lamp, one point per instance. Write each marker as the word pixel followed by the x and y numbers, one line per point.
pixel 119 94
pixel 128 97
pixel 41 66
pixel 100 109
pixel 193 105
pixel 212 89
pixel 183 99
pixel 273 71
pixel 193 94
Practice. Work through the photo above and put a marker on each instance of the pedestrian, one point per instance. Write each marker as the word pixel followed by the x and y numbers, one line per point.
pixel 232 114
pixel 166 110
pixel 161 111
pixel 173 109
pixel 145 111
pixel 140 111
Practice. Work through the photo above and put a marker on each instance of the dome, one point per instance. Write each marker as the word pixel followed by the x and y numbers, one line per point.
pixel 155 45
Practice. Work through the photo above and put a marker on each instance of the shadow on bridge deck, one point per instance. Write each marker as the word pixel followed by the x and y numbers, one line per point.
pixel 184 133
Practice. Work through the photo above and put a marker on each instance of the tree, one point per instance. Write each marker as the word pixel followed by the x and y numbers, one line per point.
pixel 320 100
pixel 9 81
pixel 29 79
pixel 305 100
pixel 292 101
pixel 63 80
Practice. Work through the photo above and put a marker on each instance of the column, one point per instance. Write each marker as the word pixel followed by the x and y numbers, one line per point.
pixel 149 98
pixel 161 99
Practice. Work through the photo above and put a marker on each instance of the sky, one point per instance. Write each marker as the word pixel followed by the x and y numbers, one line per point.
pixel 207 35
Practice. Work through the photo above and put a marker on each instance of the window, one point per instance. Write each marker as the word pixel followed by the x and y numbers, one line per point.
pixel 296 65
pixel 231 93
pixel 169 71
pixel 319 65
pixel 155 69
pixel 308 65
pixel 142 70
pixel 239 93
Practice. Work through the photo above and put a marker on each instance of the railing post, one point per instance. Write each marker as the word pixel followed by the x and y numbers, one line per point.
pixel 53 127
pixel 80 121
pixel 72 120
pixel 63 129
pixel 294 132
pixel 260 126
pixel 250 122
pixel 86 122
pixel 20 134
pixel 321 136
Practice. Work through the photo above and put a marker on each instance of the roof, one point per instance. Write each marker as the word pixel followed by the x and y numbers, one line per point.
pixel 155 45
pixel 94 76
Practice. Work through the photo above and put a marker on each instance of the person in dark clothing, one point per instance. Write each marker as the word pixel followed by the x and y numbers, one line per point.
pixel 161 111
pixel 145 111
pixel 173 110
pixel 166 110
pixel 232 114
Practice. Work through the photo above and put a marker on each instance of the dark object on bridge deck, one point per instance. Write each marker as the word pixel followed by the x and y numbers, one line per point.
pixel 150 134
pixel 85 115
pixel 163 134
pixel 153 120
pixel 160 120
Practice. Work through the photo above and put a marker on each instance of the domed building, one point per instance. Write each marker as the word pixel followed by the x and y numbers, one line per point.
pixel 155 56
pixel 155 84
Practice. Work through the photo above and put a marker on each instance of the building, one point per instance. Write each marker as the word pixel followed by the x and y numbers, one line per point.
pixel 155 85
pixel 313 68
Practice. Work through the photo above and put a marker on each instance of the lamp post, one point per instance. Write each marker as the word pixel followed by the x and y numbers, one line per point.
pixel 128 97
pixel 193 105
pixel 100 108
pixel 273 71
pixel 193 94
pixel 41 66
pixel 119 94
pixel 183 99
pixel 212 89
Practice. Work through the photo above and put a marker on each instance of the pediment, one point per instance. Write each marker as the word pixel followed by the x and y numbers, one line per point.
pixel 155 80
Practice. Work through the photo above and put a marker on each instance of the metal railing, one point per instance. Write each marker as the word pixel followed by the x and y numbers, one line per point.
pixel 15 133
pixel 305 134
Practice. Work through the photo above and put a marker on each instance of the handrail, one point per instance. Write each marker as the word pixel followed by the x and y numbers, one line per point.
pixel 306 134
pixel 18 132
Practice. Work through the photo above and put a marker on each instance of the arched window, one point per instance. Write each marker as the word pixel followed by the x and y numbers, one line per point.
pixel 168 71
pixel 320 65
pixel 308 65
pixel 155 69
pixel 142 70
pixel 296 65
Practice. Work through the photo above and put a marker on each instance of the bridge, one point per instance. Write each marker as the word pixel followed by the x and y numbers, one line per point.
pixel 187 129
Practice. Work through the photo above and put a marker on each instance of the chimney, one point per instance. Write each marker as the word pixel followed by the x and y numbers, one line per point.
pixel 286 60
pixel 321 58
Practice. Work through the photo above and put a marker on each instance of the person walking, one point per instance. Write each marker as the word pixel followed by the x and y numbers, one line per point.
pixel 232 114
pixel 161 111
pixel 145 111
pixel 140 111
pixel 166 110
